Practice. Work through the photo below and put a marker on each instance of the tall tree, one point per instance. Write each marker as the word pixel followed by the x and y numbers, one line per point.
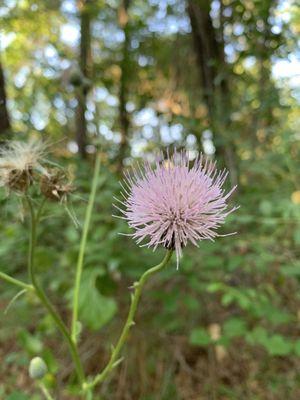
pixel 85 11
pixel 4 117
pixel 263 117
pixel 124 80
pixel 209 49
pixel 206 48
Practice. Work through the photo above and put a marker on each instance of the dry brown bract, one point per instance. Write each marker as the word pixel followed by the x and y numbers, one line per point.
pixel 55 185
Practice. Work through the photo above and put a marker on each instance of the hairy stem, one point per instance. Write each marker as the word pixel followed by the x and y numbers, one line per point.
pixel 44 299
pixel 83 247
pixel 138 287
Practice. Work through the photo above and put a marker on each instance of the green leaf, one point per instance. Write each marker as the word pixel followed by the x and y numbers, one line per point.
pixel 191 303
pixel 30 343
pixel 227 299
pixel 291 270
pixel 297 236
pixel 234 327
pixel 278 345
pixel 297 348
pixel 214 262
pixel 259 335
pixel 235 262
pixel 215 287
pixel 95 310
pixel 199 337
pixel 265 207
pixel 276 316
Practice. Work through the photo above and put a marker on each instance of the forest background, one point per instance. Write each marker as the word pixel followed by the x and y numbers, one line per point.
pixel 124 79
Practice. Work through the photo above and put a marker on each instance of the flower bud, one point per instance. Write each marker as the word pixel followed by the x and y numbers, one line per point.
pixel 37 368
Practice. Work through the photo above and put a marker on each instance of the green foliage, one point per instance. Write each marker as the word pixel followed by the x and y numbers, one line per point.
pixel 200 337
pixel 18 396
pixel 95 310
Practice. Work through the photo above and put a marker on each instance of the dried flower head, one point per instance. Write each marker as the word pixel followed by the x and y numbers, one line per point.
pixel 174 203
pixel 18 161
pixel 55 185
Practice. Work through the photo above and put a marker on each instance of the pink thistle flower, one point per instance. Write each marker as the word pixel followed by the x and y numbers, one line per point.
pixel 175 203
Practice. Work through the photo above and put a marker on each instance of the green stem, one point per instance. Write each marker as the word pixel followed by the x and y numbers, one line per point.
pixel 83 247
pixel 45 392
pixel 16 282
pixel 43 298
pixel 138 287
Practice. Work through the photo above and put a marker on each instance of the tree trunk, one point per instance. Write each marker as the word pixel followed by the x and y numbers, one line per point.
pixel 206 48
pixel 263 116
pixel 84 64
pixel 124 79
pixel 212 67
pixel 4 117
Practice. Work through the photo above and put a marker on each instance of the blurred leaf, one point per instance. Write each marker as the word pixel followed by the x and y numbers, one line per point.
pixel 235 262
pixel 234 327
pixel 18 396
pixel 297 236
pixel 200 337
pixel 291 270
pixel 95 310
pixel 30 343
pixel 266 207
pixel 192 303
pixel 297 348
pixel 259 335
pixel 278 345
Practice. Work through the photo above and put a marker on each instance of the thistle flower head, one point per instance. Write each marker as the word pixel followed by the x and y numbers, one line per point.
pixel 174 203
pixel 18 160
pixel 55 185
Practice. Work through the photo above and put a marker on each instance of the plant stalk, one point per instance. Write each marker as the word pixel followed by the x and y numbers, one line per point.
pixel 44 299
pixel 45 392
pixel 16 282
pixel 83 247
pixel 135 297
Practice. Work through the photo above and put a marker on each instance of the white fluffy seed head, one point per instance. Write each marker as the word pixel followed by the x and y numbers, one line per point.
pixel 18 160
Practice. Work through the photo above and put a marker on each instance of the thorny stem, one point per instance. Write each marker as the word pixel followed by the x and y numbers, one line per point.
pixel 135 297
pixel 43 298
pixel 82 248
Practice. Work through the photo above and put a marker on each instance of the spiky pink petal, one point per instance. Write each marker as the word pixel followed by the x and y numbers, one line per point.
pixel 174 203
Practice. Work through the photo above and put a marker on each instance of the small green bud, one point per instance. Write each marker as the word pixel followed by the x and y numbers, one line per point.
pixel 37 368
